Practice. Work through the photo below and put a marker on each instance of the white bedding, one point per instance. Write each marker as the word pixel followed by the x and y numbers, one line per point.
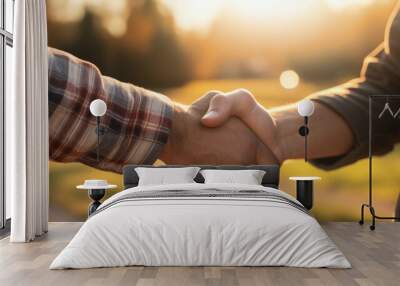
pixel 183 231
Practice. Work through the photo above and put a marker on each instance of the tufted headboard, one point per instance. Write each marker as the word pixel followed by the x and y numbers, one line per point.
pixel 270 179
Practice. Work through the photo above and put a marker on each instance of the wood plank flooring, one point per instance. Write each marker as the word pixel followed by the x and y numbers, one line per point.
pixel 375 257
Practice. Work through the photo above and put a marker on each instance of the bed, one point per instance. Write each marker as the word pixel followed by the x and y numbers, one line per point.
pixel 198 224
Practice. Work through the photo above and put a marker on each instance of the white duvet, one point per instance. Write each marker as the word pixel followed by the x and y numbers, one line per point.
pixel 200 231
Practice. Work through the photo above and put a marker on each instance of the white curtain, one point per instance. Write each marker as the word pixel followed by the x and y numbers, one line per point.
pixel 27 124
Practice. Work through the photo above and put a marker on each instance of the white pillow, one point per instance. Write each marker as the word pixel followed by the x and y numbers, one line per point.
pixel 162 176
pixel 248 177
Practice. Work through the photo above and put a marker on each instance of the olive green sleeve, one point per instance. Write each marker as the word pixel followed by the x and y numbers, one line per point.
pixel 380 75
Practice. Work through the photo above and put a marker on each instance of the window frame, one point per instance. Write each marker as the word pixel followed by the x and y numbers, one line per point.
pixel 6 39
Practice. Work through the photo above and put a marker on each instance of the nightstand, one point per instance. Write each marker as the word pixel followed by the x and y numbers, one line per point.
pixel 96 190
pixel 304 190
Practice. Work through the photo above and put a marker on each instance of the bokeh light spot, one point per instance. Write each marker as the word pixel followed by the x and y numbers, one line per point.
pixel 289 79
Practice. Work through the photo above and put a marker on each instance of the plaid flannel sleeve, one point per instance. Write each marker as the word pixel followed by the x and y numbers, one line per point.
pixel 137 122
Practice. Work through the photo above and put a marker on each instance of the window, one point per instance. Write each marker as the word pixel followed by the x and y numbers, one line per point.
pixel 6 44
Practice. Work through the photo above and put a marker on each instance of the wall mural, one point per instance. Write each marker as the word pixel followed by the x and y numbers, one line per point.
pixel 222 88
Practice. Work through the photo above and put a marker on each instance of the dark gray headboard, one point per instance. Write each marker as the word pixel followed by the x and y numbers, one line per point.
pixel 271 177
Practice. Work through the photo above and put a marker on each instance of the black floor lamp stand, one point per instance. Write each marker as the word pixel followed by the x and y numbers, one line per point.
pixel 370 201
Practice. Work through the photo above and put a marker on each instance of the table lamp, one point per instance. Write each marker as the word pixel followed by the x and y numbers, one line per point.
pixel 305 108
pixel 98 108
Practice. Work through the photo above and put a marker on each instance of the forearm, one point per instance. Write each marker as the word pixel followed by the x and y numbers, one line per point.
pixel 329 135
pixel 137 122
pixel 177 134
pixel 278 128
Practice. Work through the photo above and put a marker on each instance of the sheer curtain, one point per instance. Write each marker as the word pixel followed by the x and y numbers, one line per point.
pixel 27 124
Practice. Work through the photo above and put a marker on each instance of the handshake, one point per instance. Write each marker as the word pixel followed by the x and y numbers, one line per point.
pixel 218 128
pixel 222 128
pixel 233 128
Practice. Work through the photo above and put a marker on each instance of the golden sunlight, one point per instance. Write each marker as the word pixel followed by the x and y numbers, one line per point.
pixel 194 14
pixel 199 15
pixel 341 4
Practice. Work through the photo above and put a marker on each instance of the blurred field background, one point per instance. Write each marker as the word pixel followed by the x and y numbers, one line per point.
pixel 185 48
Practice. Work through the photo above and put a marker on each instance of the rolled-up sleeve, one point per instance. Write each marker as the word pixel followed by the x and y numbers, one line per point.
pixel 380 75
pixel 136 125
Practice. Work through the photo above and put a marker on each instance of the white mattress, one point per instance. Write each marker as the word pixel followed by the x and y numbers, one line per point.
pixel 191 231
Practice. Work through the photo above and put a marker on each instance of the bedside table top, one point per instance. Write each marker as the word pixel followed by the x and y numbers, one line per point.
pixel 96 184
pixel 304 178
pixel 82 187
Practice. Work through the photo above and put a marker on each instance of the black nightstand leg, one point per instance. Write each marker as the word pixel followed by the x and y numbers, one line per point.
pixel 96 195
pixel 304 193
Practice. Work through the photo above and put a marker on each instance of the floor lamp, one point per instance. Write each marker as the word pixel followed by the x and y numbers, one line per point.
pixel 369 205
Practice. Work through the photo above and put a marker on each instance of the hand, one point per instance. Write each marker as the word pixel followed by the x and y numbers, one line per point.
pixel 278 128
pixel 230 143
pixel 241 104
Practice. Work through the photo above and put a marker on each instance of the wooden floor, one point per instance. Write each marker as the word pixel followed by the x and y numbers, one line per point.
pixel 375 257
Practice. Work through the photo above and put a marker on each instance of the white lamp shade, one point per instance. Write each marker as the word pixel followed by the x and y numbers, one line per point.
pixel 305 108
pixel 98 107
